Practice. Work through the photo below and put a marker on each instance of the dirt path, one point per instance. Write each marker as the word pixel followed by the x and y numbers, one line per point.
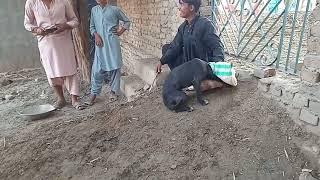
pixel 239 134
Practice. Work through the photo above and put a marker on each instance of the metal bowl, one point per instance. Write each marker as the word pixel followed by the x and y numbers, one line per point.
pixel 37 112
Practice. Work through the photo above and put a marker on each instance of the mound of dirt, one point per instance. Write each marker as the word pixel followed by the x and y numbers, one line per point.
pixel 238 135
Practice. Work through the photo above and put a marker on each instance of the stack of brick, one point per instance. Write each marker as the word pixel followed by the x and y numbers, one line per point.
pixel 311 67
pixel 307 99
pixel 301 98
pixel 310 71
pixel 302 101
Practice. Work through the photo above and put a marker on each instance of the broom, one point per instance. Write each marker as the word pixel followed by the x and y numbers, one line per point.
pixel 80 39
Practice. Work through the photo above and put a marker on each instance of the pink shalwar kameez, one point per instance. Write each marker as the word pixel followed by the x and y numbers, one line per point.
pixel 56 50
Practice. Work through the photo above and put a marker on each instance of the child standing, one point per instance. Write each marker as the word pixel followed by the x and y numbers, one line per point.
pixel 105 28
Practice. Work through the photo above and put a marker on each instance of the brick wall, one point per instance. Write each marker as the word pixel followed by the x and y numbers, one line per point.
pixel 311 68
pixel 300 99
pixel 154 23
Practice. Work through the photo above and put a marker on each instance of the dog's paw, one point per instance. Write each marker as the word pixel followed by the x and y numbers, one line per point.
pixel 184 109
pixel 190 109
pixel 204 102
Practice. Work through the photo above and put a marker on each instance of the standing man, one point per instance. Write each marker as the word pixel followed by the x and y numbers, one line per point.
pixel 106 29
pixel 196 38
pixel 51 21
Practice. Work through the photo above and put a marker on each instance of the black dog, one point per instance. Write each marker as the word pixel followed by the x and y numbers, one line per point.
pixel 185 75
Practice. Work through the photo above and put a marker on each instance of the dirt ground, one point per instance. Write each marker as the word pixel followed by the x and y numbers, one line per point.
pixel 239 135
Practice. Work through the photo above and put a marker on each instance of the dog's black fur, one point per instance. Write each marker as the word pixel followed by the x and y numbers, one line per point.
pixel 185 75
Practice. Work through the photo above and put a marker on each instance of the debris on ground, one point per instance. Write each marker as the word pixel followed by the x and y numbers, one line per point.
pixel 146 87
pixel 5 82
pixel 9 97
pixel 307 175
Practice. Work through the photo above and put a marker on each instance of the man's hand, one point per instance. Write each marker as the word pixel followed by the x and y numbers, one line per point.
pixel 61 28
pixel 159 68
pixel 118 30
pixel 39 31
pixel 98 40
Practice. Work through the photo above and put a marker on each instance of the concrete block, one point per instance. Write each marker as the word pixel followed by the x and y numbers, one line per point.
pixel 311 89
pixel 315 29
pixel 131 86
pixel 243 74
pixel 288 94
pixel 263 87
pixel 146 70
pixel 264 72
pixel 316 91
pixel 309 75
pixel 294 112
pixel 300 100
pixel 276 90
pixel 264 84
pixel 314 106
pixel 312 61
pixel 309 117
pixel 316 13
pixel 313 45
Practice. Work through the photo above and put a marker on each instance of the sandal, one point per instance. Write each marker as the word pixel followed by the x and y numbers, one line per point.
pixel 92 101
pixel 113 96
pixel 89 103
pixel 59 104
pixel 79 106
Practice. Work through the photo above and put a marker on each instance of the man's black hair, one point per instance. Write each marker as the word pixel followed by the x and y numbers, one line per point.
pixel 195 3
